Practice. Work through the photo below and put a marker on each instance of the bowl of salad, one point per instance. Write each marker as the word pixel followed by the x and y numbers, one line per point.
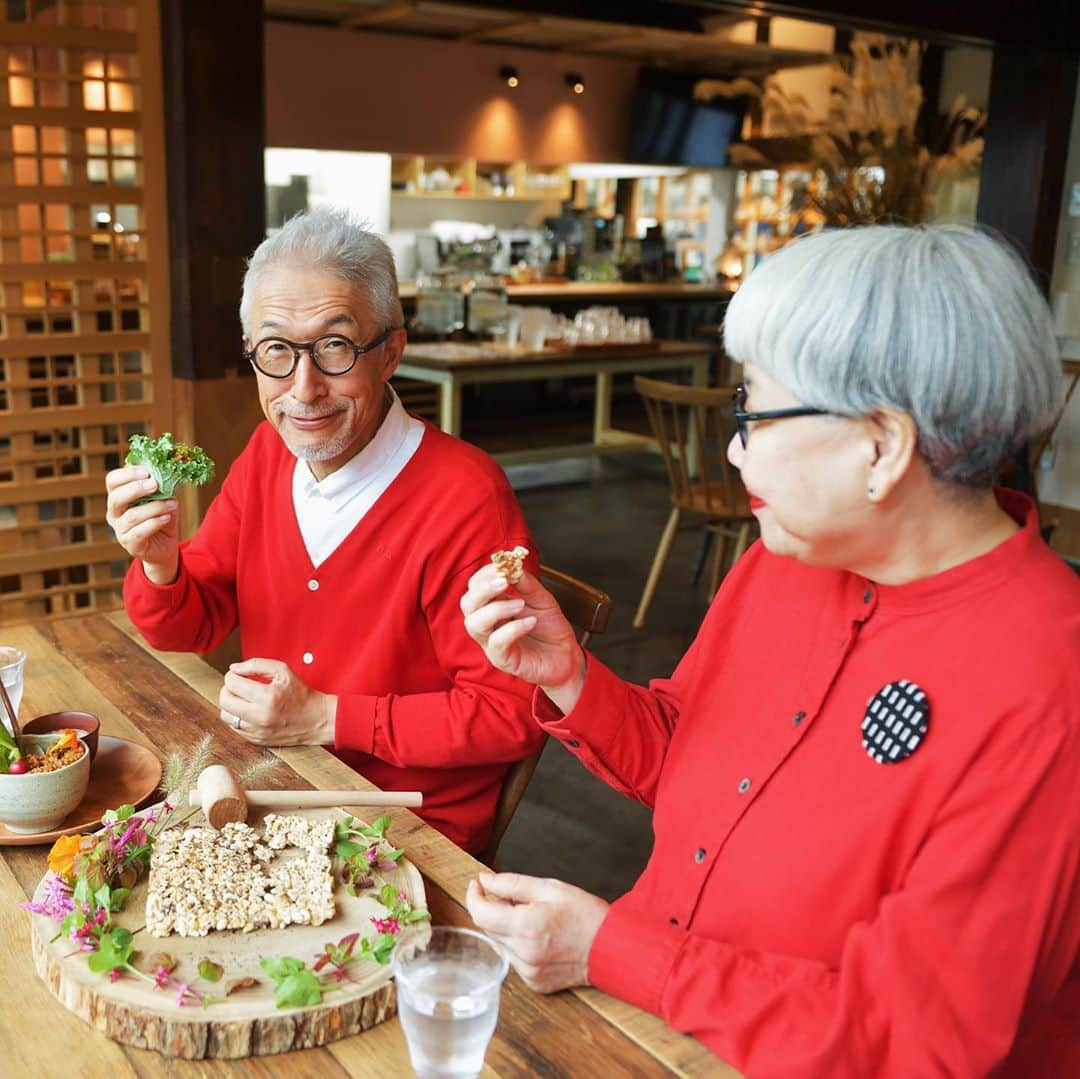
pixel 43 777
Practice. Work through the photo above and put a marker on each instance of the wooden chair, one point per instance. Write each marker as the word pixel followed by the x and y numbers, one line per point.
pixel 587 609
pixel 693 425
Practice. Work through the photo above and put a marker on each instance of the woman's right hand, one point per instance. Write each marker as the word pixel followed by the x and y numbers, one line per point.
pixel 526 634
pixel 151 531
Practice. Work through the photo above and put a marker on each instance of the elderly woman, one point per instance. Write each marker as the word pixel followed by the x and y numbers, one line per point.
pixel 865 773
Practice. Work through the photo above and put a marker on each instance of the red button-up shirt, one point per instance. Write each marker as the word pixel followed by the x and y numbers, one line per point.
pixel 808 911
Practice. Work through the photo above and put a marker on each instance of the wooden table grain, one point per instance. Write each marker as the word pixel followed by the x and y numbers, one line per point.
pixel 167 702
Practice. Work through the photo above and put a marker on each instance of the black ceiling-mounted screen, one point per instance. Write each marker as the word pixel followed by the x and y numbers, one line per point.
pixel 670 128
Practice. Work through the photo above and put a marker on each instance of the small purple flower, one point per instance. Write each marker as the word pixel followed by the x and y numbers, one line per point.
pixel 162 978
pixel 385 925
pixel 55 902
pixel 372 854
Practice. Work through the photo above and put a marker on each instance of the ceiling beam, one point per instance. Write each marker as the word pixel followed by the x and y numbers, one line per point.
pixel 378 15
pixel 500 29
pixel 612 41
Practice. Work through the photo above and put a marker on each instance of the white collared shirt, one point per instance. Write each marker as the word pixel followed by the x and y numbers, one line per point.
pixel 329 510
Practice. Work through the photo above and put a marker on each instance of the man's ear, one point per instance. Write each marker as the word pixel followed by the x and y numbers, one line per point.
pixel 895 441
pixel 395 349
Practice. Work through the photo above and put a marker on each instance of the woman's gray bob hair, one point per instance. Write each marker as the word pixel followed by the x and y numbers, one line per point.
pixel 329 239
pixel 943 322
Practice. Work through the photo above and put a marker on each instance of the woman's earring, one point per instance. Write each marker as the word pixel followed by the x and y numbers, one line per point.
pixel 870 490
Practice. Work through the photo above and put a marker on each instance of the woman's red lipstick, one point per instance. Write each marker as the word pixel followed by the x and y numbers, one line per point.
pixel 756 503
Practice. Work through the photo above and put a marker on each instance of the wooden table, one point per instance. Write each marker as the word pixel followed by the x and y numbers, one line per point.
pixel 452 366
pixel 165 701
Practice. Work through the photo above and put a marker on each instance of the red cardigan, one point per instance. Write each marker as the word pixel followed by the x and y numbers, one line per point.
pixel 378 623
pixel 808 911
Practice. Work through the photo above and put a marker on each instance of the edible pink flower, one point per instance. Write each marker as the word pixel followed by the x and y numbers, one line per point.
pixel 55 902
pixel 162 978
pixel 385 925
pixel 186 995
pixel 372 854
pixel 114 975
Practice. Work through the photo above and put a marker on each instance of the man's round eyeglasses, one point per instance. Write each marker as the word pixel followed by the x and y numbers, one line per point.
pixel 743 419
pixel 333 354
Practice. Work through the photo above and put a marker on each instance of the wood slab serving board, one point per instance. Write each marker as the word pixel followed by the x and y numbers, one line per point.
pixel 247 1023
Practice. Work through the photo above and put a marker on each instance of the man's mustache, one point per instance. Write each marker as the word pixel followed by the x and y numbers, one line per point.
pixel 295 410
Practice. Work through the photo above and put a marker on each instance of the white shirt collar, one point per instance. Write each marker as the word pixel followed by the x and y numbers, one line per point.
pixel 345 483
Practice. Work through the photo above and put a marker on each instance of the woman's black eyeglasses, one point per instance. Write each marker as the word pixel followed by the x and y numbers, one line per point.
pixel 333 354
pixel 743 419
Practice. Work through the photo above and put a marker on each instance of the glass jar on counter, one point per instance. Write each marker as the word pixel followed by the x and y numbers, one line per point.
pixel 440 301
pixel 487 306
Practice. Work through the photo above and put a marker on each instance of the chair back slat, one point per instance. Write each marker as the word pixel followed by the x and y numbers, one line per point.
pixel 698 469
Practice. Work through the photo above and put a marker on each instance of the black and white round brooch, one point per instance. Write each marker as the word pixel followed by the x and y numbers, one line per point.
pixel 897 719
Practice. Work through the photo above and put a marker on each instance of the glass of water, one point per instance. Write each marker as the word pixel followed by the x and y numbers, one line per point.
pixel 448 1000
pixel 12 665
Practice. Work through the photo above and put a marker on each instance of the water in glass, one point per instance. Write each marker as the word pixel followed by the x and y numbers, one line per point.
pixel 447 1022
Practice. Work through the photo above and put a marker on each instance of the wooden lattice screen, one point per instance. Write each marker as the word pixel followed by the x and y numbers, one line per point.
pixel 84 358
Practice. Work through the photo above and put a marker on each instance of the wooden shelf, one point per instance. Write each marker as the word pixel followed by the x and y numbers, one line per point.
pixel 473 175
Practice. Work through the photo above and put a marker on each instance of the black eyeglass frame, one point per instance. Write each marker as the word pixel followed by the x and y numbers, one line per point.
pixel 743 419
pixel 311 348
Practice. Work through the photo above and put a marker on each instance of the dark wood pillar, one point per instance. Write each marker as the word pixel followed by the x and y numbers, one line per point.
pixel 1032 92
pixel 214 142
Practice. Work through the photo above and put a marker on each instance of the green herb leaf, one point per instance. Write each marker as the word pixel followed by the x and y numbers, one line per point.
pixel 388 896
pixel 210 971
pixel 346 849
pixel 118 898
pixel 114 951
pixel 419 915
pixel 380 826
pixel 295 985
pixel 299 990
pixel 279 967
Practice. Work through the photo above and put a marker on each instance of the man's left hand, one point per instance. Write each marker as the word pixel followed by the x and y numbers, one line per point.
pixel 274 707
pixel 546 926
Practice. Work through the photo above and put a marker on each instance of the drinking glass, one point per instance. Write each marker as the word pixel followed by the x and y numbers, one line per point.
pixel 448 1000
pixel 12 666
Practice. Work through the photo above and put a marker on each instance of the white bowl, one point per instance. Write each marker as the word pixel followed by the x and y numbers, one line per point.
pixel 39 802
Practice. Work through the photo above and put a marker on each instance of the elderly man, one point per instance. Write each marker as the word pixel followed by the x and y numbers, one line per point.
pixel 340 542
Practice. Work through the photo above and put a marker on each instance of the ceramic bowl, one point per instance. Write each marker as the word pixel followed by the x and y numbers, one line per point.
pixel 77 721
pixel 39 802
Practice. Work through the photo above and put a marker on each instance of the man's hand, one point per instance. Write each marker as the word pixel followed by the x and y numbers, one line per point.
pixel 525 635
pixel 150 532
pixel 546 926
pixel 274 707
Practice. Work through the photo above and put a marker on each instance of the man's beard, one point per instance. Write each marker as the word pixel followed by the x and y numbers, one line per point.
pixel 326 451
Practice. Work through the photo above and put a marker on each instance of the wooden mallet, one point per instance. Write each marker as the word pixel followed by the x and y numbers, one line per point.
pixel 223 800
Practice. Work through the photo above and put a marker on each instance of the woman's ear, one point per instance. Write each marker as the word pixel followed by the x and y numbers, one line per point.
pixel 895 442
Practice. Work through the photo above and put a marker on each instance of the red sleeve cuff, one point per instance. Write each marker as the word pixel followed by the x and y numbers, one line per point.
pixel 654 947
pixel 354 725
pixel 600 694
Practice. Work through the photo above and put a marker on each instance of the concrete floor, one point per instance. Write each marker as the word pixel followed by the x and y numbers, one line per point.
pixel 601 524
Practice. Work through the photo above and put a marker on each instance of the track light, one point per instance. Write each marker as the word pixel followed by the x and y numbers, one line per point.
pixel 509 75
pixel 575 81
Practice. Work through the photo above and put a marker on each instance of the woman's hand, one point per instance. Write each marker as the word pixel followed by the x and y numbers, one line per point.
pixel 150 532
pixel 274 707
pixel 546 926
pixel 525 635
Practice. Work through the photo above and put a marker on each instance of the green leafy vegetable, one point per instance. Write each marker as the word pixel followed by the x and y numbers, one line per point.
pixel 169 463
pixel 295 985
pixel 9 751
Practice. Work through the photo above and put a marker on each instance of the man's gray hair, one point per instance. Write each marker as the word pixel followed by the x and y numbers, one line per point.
pixel 944 322
pixel 329 239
